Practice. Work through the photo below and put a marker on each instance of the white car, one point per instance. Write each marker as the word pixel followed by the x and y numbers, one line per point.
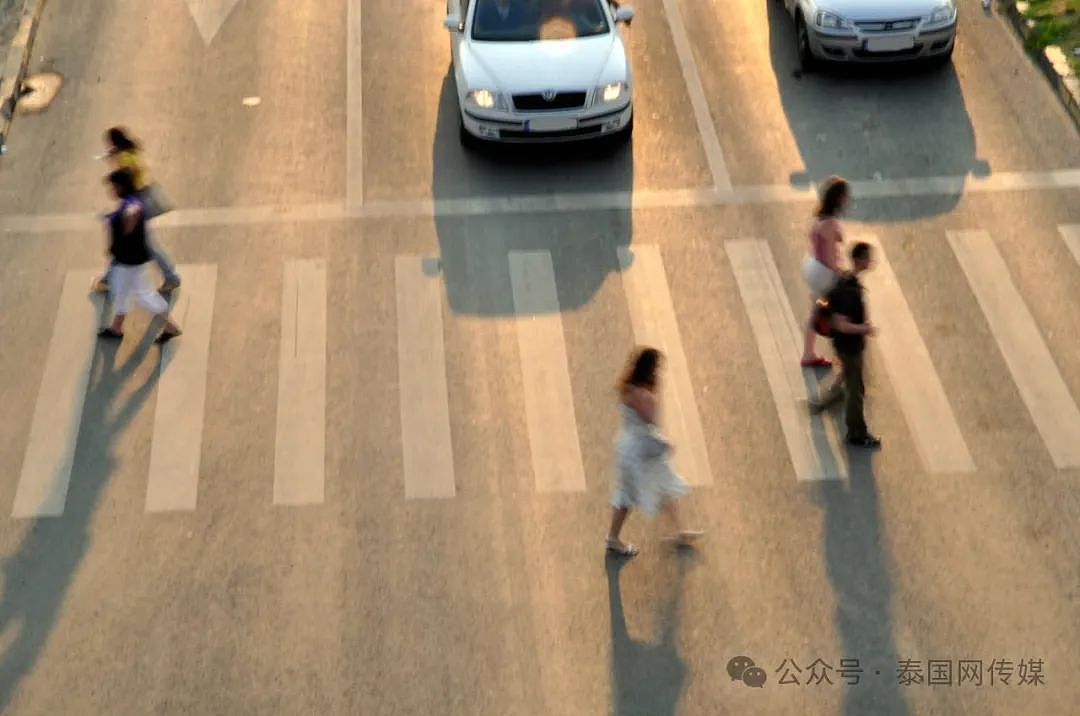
pixel 540 70
pixel 873 30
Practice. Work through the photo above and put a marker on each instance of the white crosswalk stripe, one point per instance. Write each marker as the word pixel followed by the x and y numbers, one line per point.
pixel 549 399
pixel 812 440
pixel 1070 233
pixel 1033 369
pixel 300 445
pixel 176 446
pixel 653 317
pixel 46 469
pixel 907 361
pixel 425 409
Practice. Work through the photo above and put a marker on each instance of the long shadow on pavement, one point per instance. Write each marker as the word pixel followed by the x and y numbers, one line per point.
pixel 858 570
pixel 896 121
pixel 37 576
pixel 648 678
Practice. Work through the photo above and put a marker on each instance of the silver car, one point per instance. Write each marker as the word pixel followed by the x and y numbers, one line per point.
pixel 873 30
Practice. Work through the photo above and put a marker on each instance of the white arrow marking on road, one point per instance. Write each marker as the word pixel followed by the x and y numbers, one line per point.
pixel 209 15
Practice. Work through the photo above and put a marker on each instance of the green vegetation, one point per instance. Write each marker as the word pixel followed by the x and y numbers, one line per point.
pixel 1057 22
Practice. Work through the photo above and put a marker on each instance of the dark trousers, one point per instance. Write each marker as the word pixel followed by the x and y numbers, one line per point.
pixel 851 385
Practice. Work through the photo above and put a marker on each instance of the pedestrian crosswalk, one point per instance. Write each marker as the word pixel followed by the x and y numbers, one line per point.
pixel 300 443
pixel 811 440
pixel 424 401
pixel 427 442
pixel 176 446
pixel 924 401
pixel 1033 369
pixel 545 373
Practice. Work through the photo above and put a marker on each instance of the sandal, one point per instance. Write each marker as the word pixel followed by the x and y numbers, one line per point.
pixel 110 333
pixel 166 336
pixel 622 550
pixel 816 362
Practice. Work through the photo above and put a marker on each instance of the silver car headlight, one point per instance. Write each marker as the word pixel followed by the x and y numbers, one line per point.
pixel 486 99
pixel 831 21
pixel 943 13
pixel 611 92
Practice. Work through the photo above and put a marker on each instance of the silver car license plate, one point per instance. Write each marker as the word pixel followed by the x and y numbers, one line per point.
pixel 550 124
pixel 890 43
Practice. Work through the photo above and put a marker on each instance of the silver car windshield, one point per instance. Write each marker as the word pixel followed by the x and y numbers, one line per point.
pixel 529 20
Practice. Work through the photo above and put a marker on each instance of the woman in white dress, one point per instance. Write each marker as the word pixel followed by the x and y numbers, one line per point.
pixel 821 269
pixel 643 475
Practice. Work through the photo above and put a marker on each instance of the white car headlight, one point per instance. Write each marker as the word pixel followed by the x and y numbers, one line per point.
pixel 611 92
pixel 943 13
pixel 486 99
pixel 830 21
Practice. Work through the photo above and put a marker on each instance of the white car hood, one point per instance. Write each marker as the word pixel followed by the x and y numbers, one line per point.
pixel 864 10
pixel 545 64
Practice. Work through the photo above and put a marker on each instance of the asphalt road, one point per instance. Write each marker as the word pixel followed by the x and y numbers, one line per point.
pixel 496 598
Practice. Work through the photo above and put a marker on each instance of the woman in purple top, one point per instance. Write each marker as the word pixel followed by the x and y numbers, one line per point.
pixel 130 254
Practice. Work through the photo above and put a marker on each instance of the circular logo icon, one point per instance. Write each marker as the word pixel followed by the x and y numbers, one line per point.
pixel 737 666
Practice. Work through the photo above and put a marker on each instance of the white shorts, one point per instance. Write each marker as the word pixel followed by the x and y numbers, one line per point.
pixel 819 277
pixel 127 284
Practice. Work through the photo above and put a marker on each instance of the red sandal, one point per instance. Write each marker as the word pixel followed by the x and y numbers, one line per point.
pixel 818 362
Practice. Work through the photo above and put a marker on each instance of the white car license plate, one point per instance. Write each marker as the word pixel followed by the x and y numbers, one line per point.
pixel 550 124
pixel 890 43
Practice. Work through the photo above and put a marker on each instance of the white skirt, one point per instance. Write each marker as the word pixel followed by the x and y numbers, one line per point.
pixel 643 483
pixel 819 277
pixel 127 284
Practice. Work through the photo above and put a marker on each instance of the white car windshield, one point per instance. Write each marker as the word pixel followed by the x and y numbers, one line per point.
pixel 528 20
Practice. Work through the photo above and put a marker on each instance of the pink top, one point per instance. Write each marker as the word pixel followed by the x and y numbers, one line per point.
pixel 825 236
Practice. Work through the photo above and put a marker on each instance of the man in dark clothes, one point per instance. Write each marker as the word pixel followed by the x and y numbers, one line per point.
pixel 850 328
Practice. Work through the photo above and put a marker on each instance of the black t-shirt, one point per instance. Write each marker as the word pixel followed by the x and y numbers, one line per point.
pixel 846 300
pixel 128 248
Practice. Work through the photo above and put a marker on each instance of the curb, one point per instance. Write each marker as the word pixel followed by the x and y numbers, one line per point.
pixel 16 64
pixel 1052 61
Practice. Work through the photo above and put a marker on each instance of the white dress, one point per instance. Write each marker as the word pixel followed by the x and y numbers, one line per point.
pixel 644 478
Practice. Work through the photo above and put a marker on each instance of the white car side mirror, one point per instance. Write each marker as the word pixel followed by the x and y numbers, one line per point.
pixel 453 23
pixel 624 14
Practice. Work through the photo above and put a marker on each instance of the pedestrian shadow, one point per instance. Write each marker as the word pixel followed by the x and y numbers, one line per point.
pixel 37 575
pixel 858 570
pixel 648 678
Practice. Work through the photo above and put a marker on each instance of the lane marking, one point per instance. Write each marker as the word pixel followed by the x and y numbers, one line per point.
pixel 812 441
pixel 1033 369
pixel 552 203
pixel 300 444
pixel 354 110
pixel 1070 233
pixel 907 361
pixel 706 127
pixel 425 408
pixel 209 15
pixel 54 430
pixel 549 398
pixel 652 314
pixel 176 447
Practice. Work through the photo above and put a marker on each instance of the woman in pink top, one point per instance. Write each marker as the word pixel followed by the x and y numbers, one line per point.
pixel 821 268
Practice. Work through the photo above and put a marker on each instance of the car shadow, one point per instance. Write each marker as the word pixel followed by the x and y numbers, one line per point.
pixel 38 575
pixel 477 229
pixel 868 123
